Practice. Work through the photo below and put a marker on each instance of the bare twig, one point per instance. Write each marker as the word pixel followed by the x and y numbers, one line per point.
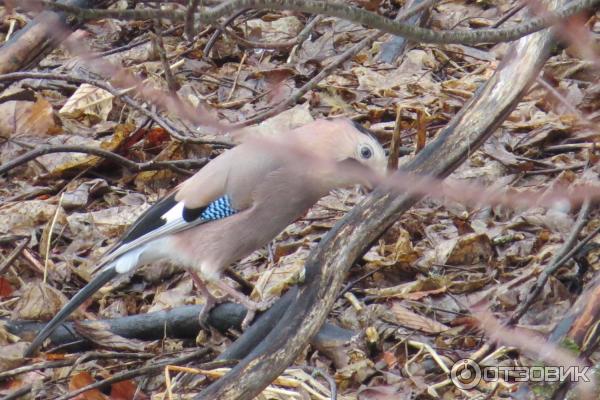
pixel 237 77
pixel 326 376
pixel 35 367
pixel 136 167
pixel 396 142
pixel 190 30
pixel 49 237
pixel 19 393
pixel 13 255
pixel 160 46
pixel 509 14
pixel 571 147
pixel 220 29
pixel 303 35
pixel 555 170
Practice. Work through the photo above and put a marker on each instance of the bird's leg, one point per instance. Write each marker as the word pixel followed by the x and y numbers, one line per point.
pixel 251 306
pixel 210 300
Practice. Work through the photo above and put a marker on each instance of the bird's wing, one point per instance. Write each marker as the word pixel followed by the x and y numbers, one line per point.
pixel 222 188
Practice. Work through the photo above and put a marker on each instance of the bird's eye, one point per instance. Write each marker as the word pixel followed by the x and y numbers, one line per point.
pixel 366 152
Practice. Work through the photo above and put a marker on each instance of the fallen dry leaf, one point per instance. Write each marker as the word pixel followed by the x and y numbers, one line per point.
pixel 38 301
pixel 99 333
pixel 404 317
pixel 126 390
pixel 83 379
pixel 11 356
pixel 465 250
pixel 90 102
pixel 20 118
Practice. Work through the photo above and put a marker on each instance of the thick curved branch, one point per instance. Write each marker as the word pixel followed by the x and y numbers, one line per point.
pixel 349 13
pixel 39 37
pixel 328 264
pixel 182 322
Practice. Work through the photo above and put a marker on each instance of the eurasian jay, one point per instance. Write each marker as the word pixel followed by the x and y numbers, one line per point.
pixel 237 204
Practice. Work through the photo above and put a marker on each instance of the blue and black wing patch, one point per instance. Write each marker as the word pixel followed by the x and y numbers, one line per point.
pixel 220 208
pixel 165 211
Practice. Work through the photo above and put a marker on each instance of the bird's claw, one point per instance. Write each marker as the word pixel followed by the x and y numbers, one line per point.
pixel 265 304
pixel 210 303
pixel 251 313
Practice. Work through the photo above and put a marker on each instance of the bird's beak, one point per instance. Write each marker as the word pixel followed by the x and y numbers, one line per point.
pixel 357 173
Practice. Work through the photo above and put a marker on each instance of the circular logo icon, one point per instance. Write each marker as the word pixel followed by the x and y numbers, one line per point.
pixel 465 374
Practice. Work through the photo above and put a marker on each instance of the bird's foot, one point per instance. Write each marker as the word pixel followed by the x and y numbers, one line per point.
pixel 253 307
pixel 210 302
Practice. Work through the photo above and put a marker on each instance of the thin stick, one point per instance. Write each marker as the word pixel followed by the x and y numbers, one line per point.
pixel 396 142
pixel 162 53
pixel 13 256
pixel 49 237
pixel 237 76
pixel 509 14
pixel 220 29
pixel 190 30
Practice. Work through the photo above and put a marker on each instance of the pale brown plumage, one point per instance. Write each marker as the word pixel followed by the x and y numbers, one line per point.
pixel 238 203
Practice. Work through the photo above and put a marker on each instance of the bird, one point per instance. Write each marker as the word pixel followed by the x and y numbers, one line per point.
pixel 236 204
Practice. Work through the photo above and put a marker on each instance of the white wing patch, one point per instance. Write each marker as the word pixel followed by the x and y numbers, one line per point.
pixel 174 214
pixel 126 256
pixel 128 261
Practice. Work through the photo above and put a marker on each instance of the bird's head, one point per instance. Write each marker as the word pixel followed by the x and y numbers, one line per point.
pixel 358 156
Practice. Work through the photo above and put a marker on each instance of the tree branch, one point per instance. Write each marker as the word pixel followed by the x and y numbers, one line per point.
pixel 116 158
pixel 349 13
pixel 182 322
